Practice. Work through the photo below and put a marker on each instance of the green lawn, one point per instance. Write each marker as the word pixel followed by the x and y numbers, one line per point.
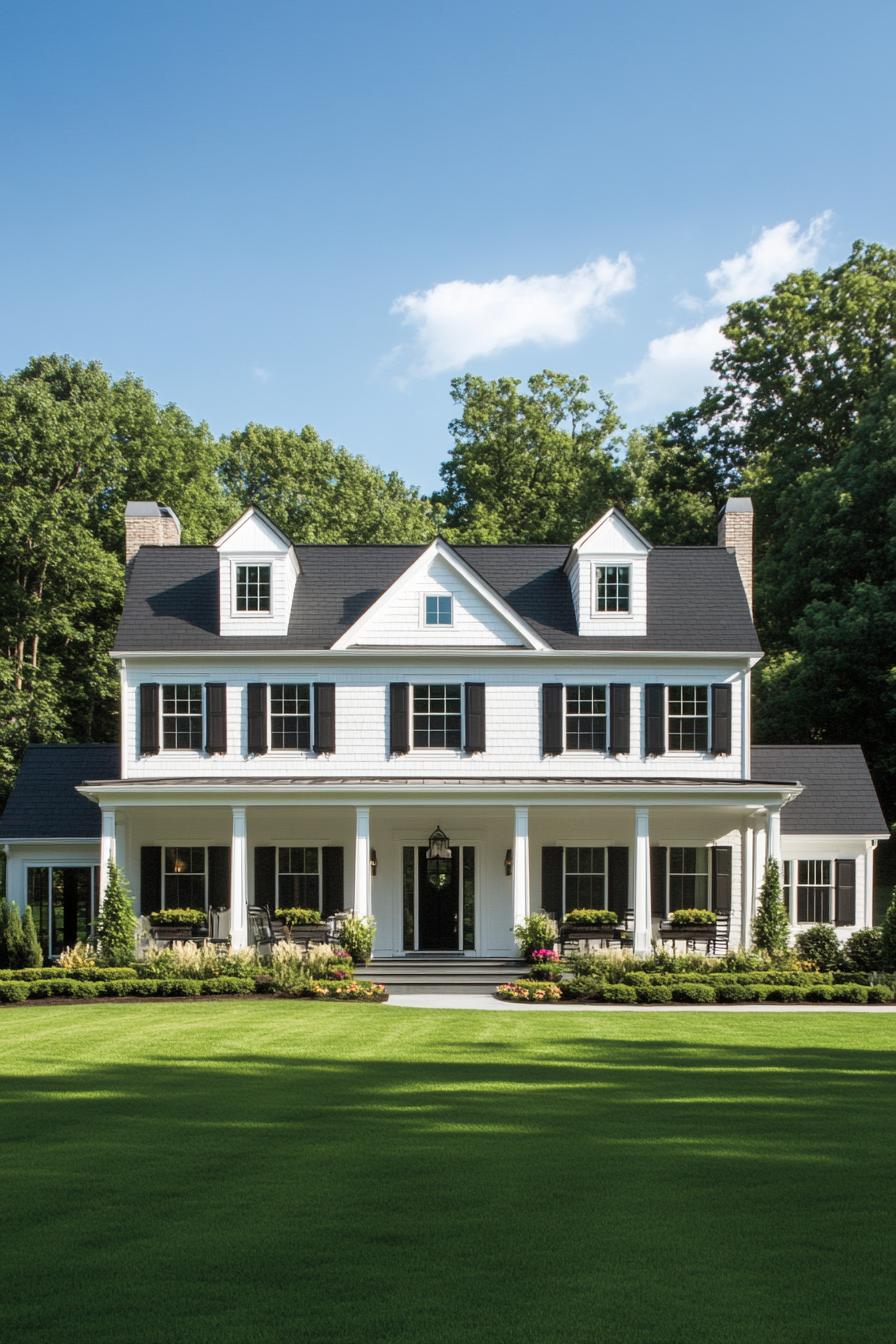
pixel 252 1170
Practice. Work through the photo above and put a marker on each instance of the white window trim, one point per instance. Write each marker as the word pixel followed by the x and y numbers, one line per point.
pixel 578 844
pixel 301 751
pixel 238 562
pixel 441 625
pixel 165 873
pixel 603 752
pixel 596 613
pixel 180 751
pixel 697 754
pixel 454 752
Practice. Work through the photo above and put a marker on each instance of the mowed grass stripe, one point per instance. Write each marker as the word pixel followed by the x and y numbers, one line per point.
pixel 291 1171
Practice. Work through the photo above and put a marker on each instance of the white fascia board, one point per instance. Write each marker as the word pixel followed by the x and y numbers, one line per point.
pixel 397 793
pixel 583 540
pixel 389 653
pixel 834 838
pixel 73 840
pixel 447 553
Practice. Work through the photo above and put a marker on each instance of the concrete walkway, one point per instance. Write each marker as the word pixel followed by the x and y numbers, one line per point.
pixel 486 1002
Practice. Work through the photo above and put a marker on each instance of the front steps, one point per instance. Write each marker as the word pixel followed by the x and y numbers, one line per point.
pixel 448 973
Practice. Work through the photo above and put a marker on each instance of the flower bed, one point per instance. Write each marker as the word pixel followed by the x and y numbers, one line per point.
pixel 365 991
pixel 530 991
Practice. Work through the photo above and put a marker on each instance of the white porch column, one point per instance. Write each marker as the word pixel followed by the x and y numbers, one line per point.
pixel 747 888
pixel 362 861
pixel 759 853
pixel 870 846
pixel 643 926
pixel 520 869
pixel 774 833
pixel 239 880
pixel 108 848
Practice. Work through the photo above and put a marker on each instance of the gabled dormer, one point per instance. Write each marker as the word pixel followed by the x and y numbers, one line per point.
pixel 607 569
pixel 257 571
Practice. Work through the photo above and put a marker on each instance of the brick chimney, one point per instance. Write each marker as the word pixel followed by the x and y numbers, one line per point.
pixel 148 524
pixel 736 533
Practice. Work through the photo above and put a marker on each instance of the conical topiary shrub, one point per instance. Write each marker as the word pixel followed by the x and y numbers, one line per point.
pixel 116 928
pixel 771 925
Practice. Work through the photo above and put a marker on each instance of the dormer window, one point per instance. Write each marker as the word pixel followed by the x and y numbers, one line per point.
pixel 438 609
pixel 253 588
pixel 612 589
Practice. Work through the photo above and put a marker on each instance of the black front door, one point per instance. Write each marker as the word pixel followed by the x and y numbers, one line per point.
pixel 437 908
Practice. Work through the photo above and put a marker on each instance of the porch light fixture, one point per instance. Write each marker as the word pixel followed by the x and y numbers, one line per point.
pixel 508 862
pixel 373 863
pixel 438 859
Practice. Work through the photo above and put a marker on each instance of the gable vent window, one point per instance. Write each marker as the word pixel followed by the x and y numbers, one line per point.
pixel 437 716
pixel 253 587
pixel 290 718
pixel 688 718
pixel 586 718
pixel 182 717
pixel 612 588
pixel 439 609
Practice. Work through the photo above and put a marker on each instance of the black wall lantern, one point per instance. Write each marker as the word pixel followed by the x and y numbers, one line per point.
pixel 438 860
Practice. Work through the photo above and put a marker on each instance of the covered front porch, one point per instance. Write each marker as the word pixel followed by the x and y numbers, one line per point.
pixel 640 852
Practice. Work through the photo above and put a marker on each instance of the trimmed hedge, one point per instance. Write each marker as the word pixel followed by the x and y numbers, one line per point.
pixel 97 973
pixel 693 993
pixel 880 994
pixel 13 991
pixel 654 993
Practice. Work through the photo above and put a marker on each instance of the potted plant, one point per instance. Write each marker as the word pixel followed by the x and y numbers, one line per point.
pixel 693 921
pixel 591 918
pixel 302 924
pixel 356 936
pixel 177 921
pixel 535 932
pixel 545 964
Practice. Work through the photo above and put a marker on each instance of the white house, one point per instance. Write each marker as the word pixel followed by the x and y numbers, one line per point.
pixel 297 721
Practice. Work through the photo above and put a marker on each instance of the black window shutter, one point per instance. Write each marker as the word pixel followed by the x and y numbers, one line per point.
pixel 149 718
pixel 552 719
pixel 654 720
pixel 150 879
pixel 658 880
pixel 620 720
pixel 219 875
pixel 474 697
pixel 332 879
pixel 721 720
pixel 215 718
pixel 324 718
pixel 617 878
pixel 721 879
pixel 257 725
pixel 399 726
pixel 845 893
pixel 552 880
pixel 266 876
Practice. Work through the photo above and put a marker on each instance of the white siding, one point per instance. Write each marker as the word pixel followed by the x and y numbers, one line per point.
pixel 513 719
pixel 476 622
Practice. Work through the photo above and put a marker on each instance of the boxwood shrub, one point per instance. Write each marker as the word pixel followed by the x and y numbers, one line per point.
pixel 619 994
pixel 736 993
pixel 880 994
pixel 686 992
pixel 13 991
pixel 654 993
pixel 227 984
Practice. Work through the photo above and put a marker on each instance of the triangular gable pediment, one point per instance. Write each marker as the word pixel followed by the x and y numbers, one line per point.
pixel 612 534
pixel 254 531
pixel 480 616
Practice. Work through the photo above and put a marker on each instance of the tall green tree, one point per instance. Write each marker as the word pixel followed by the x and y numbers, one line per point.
pixel 533 464
pixel 675 485
pixel 319 493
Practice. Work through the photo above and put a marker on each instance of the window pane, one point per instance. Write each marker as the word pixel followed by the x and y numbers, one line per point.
pixel 612 587
pixel 184 877
pixel 291 717
pixel 298 876
pixel 586 718
pixel 469 897
pixel 38 897
pixel 688 718
pixel 182 717
pixel 437 716
pixel 688 878
pixel 438 609
pixel 253 587
pixel 407 897
pixel 813 891
pixel 584 883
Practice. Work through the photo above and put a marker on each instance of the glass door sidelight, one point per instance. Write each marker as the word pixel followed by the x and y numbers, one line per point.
pixel 438 918
pixel 63 905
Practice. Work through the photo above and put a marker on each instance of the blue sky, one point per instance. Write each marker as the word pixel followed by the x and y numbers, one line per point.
pixel 319 214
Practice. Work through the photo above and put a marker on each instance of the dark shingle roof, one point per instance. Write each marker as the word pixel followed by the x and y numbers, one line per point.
pixel 695 599
pixel 44 802
pixel 838 797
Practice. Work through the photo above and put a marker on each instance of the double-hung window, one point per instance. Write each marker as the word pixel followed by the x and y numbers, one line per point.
pixel 184 877
pixel 813 891
pixel 688 718
pixel 438 609
pixel 182 717
pixel 253 588
pixel 584 878
pixel 586 718
pixel 437 716
pixel 688 878
pixel 298 876
pixel 612 589
pixel 291 718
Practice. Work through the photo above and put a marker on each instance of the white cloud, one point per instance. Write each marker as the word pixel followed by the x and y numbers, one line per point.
pixel 676 367
pixel 261 375
pixel 458 320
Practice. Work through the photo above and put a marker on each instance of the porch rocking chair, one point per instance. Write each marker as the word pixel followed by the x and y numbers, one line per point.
pixel 260 935
pixel 718 944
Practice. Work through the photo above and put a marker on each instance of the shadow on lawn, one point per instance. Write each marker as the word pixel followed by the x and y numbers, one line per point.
pixel 465 1185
